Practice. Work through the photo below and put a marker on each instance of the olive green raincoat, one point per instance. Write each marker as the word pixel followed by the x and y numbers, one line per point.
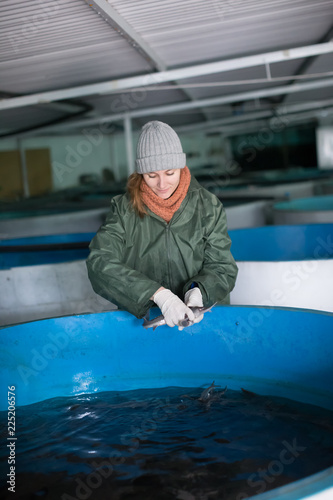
pixel 131 257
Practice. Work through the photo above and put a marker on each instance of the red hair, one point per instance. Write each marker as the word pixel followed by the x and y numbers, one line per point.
pixel 133 189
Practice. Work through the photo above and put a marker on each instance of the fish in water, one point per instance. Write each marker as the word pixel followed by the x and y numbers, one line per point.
pixel 207 393
pixel 159 321
pixel 250 394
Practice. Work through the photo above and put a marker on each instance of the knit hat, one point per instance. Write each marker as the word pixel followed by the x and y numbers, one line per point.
pixel 158 148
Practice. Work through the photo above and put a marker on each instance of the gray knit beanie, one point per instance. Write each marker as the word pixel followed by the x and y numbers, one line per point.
pixel 158 148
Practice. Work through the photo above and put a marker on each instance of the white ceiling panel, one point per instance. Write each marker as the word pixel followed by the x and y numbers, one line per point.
pixel 56 44
pixel 199 30
pixel 49 45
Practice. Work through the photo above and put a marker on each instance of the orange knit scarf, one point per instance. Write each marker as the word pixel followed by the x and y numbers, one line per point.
pixel 166 208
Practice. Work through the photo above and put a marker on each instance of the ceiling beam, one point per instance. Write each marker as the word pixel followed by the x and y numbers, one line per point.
pixel 117 22
pixel 305 66
pixel 169 75
pixel 303 117
pixel 214 101
pixel 123 28
pixel 252 126
pixel 281 110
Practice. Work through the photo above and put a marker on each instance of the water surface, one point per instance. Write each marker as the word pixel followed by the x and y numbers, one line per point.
pixel 165 444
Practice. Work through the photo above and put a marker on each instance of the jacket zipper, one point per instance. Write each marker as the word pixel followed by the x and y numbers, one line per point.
pixel 167 234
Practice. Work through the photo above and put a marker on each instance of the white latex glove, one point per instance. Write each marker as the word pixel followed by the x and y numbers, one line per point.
pixel 172 308
pixel 193 298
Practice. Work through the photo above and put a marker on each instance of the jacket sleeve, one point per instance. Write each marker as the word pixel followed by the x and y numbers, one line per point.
pixel 110 276
pixel 217 277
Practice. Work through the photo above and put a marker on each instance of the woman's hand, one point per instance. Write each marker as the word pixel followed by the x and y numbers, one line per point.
pixel 193 298
pixel 173 309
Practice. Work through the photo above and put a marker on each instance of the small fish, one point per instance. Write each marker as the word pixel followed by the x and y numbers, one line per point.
pixel 250 394
pixel 74 407
pixel 159 321
pixel 206 394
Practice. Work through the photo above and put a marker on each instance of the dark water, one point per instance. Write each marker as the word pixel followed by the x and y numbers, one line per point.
pixel 159 444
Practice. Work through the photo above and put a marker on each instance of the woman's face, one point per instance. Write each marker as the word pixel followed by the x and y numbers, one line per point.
pixel 163 182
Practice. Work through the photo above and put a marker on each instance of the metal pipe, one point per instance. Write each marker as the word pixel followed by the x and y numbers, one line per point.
pixel 129 144
pixel 171 75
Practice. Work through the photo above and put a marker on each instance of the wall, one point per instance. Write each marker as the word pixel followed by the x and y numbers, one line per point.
pixel 71 156
pixel 93 150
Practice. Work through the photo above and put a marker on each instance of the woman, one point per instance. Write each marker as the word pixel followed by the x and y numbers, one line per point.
pixel 165 241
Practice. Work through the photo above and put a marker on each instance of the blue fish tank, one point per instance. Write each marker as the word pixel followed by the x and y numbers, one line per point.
pixel 312 210
pixel 237 406
pixel 284 266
